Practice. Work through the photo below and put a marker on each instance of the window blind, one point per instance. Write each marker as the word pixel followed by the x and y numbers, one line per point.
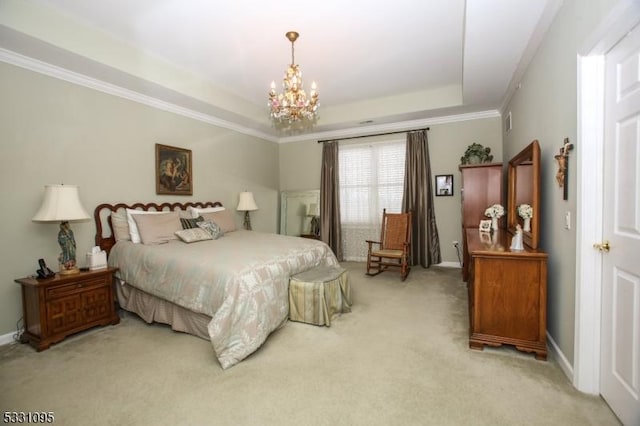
pixel 371 179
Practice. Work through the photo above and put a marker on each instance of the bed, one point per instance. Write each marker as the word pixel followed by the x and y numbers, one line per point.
pixel 232 290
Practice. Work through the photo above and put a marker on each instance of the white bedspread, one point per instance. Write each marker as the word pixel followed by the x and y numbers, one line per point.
pixel 241 280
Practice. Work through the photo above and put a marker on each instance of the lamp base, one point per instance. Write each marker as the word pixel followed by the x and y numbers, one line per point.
pixel 247 221
pixel 69 271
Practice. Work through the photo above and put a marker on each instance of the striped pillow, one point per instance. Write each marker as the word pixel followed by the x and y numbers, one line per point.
pixel 188 223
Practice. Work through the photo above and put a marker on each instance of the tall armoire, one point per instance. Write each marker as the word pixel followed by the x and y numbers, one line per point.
pixel 481 188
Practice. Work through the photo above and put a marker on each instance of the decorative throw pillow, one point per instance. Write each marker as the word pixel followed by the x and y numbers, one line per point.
pixel 190 223
pixel 133 227
pixel 158 228
pixel 212 228
pixel 223 218
pixel 197 211
pixel 193 235
pixel 120 226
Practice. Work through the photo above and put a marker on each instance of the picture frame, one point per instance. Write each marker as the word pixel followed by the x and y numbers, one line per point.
pixel 444 185
pixel 485 226
pixel 174 173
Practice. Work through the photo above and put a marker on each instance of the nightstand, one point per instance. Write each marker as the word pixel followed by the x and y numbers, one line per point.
pixel 57 307
pixel 311 236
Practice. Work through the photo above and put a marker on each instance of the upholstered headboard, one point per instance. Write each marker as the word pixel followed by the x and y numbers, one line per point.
pixel 102 215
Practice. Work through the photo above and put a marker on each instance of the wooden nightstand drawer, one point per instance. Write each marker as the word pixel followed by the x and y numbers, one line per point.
pixel 64 314
pixel 72 288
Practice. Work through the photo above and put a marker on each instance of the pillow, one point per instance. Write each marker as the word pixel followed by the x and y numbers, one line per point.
pixel 223 218
pixel 212 228
pixel 190 223
pixel 193 235
pixel 120 226
pixel 157 228
pixel 197 211
pixel 133 227
pixel 184 214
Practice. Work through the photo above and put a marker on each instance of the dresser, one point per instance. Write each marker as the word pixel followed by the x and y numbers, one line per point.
pixel 57 307
pixel 507 289
pixel 507 294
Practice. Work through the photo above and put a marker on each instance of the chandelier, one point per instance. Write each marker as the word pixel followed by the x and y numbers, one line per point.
pixel 292 105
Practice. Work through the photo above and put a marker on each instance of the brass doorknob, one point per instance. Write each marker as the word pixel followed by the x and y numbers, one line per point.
pixel 603 247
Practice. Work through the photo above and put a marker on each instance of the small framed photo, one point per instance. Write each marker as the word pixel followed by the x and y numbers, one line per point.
pixel 444 185
pixel 174 175
pixel 485 226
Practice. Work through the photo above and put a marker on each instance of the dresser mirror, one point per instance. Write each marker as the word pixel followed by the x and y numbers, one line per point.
pixel 295 207
pixel 524 189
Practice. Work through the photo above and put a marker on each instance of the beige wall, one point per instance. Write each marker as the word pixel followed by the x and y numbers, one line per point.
pixel 545 108
pixel 300 164
pixel 55 132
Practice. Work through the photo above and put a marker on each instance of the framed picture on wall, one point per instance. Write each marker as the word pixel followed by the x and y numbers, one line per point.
pixel 444 185
pixel 174 175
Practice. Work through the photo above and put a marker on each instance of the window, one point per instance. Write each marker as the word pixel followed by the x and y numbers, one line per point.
pixel 371 179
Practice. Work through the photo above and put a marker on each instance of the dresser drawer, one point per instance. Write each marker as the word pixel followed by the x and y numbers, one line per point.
pixel 73 288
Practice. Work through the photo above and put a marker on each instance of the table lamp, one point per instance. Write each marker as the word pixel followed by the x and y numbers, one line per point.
pixel 61 203
pixel 247 204
pixel 313 212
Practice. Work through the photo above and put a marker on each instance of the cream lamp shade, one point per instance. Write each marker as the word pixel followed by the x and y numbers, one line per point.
pixel 247 203
pixel 61 203
pixel 313 210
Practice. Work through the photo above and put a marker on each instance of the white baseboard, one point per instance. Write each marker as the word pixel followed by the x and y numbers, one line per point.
pixel 5 339
pixel 563 362
pixel 449 264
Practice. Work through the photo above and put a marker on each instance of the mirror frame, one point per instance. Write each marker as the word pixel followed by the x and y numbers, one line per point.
pixel 529 154
pixel 288 197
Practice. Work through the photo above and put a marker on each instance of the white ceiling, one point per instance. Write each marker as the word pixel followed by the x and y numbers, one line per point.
pixel 389 62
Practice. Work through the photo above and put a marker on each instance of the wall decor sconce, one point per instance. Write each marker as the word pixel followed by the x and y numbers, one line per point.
pixel 562 175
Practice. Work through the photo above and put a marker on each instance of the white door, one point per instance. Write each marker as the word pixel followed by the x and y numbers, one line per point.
pixel 620 326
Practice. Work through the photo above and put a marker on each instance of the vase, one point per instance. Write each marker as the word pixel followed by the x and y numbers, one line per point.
pixel 494 223
pixel 527 224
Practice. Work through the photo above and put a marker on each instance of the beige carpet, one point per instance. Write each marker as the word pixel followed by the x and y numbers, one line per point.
pixel 400 358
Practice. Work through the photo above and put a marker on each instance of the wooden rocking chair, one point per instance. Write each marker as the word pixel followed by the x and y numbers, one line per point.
pixel 393 247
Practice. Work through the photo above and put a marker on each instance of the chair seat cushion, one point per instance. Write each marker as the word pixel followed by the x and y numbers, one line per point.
pixel 387 253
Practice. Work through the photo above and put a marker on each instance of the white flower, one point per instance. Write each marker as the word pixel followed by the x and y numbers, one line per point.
pixel 495 210
pixel 525 211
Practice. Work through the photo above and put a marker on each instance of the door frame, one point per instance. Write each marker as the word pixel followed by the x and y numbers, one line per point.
pixel 590 170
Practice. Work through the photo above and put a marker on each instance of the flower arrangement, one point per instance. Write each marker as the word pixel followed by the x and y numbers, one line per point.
pixel 495 211
pixel 525 211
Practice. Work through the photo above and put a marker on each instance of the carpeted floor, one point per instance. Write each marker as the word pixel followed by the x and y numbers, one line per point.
pixel 400 357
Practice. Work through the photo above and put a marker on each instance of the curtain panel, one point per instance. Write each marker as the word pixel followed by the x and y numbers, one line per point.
pixel 418 198
pixel 330 229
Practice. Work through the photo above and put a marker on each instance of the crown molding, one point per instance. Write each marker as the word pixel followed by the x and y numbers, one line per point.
pixel 393 127
pixel 54 71
pixel 31 64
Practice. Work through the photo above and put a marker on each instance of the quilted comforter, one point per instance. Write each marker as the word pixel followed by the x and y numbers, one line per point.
pixel 241 280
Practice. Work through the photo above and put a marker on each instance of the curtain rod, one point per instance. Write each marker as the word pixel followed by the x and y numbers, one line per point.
pixel 368 136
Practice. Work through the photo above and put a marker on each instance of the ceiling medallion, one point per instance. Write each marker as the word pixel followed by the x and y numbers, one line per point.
pixel 293 105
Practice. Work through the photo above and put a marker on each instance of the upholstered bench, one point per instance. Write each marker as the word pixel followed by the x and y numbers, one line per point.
pixel 316 295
